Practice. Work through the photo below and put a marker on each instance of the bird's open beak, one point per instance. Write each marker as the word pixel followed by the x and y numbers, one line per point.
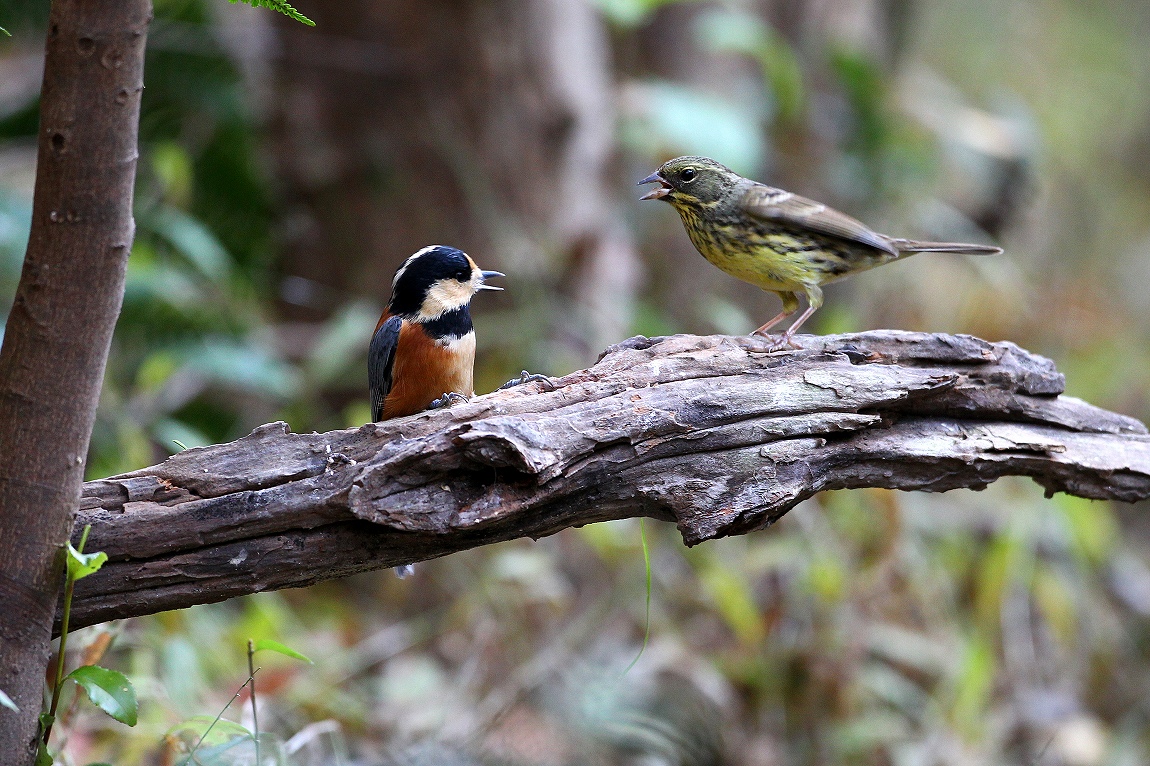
pixel 663 190
pixel 488 275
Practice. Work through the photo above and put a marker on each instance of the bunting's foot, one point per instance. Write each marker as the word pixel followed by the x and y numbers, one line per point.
pixel 784 342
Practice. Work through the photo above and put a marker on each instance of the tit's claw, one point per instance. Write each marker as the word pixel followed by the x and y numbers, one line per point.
pixel 528 377
pixel 448 399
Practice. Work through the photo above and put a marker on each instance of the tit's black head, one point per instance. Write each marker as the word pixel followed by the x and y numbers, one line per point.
pixel 435 281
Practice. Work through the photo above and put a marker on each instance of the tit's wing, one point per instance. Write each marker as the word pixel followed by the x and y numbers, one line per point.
pixel 381 363
pixel 789 209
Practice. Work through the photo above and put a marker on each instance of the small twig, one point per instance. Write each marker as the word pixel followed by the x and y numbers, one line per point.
pixel 1042 752
pixel 255 713
pixel 647 565
pixel 57 688
pixel 207 731
pixel 92 655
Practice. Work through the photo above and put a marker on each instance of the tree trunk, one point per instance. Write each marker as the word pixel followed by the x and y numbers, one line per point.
pixel 58 332
pixel 484 124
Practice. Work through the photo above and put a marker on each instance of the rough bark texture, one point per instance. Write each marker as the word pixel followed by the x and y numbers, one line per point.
pixel 57 335
pixel 709 432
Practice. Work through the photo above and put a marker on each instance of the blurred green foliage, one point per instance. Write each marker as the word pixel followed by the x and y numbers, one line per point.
pixel 193 359
pixel 866 627
pixel 280 6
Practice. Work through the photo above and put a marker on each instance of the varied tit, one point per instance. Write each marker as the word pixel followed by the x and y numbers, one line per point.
pixel 422 354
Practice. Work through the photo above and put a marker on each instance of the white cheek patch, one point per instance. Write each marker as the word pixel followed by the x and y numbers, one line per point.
pixel 444 296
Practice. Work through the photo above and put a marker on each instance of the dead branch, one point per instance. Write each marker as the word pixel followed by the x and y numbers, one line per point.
pixel 709 432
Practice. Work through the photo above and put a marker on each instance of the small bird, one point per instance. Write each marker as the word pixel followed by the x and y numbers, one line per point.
pixel 422 354
pixel 776 240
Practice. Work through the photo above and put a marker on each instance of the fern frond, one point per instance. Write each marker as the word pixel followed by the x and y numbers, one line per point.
pixel 282 6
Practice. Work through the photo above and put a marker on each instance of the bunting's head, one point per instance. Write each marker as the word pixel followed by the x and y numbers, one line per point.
pixel 696 181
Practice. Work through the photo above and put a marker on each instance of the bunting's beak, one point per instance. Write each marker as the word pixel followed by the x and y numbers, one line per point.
pixel 663 190
pixel 488 275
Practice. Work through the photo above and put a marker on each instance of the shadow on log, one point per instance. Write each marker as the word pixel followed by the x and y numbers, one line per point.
pixel 712 433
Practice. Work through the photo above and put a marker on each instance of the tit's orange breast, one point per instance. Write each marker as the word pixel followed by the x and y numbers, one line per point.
pixel 426 369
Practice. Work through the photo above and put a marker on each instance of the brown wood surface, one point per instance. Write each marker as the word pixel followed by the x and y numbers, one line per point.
pixel 57 335
pixel 712 433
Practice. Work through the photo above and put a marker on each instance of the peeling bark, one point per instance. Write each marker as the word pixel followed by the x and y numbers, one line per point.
pixel 712 433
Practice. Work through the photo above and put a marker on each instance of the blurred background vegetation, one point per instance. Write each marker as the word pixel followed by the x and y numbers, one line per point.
pixel 286 171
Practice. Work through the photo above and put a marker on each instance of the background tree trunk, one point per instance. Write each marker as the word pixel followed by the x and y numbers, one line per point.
pixel 485 125
pixel 60 327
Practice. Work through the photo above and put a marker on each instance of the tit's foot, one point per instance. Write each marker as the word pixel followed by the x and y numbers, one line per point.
pixel 784 342
pixel 528 377
pixel 407 570
pixel 447 400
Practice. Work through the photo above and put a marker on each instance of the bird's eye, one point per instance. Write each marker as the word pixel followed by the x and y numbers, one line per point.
pixel 688 175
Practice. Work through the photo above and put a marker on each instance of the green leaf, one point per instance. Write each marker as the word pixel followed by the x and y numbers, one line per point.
pixel 862 79
pixel 281 6
pixel 43 757
pixel 212 730
pixel 734 598
pixel 179 434
pixel 974 685
pixel 109 690
pixel 677 119
pixel 5 31
pixel 244 366
pixel 194 241
pixel 276 646
pixel 80 565
pixel 174 168
pixel 630 13
pixel 7 702
pixel 1092 527
pixel 206 737
pixel 339 348
pixel 235 751
pixel 727 29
